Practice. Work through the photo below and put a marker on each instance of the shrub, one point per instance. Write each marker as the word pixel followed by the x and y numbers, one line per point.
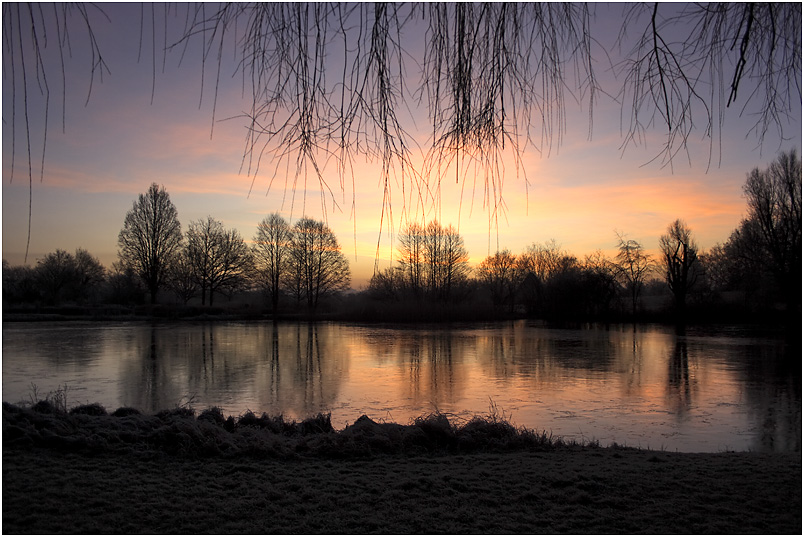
pixel 124 411
pixel 44 407
pixel 320 424
pixel 94 409
pixel 212 415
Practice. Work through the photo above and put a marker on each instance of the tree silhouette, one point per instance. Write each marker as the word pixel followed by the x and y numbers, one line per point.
pixel 271 252
pixel 412 240
pixel 89 274
pixel 446 259
pixel 151 238
pixel 501 275
pixel 182 279
pixel 55 273
pixel 774 210
pixel 633 266
pixel 317 268
pixel 680 262
pixel 330 80
pixel 219 258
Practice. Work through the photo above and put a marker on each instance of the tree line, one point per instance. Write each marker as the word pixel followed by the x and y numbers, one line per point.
pixel 756 269
pixel 302 266
pixel 303 261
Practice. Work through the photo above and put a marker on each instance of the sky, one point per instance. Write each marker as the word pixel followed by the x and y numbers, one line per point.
pixel 581 193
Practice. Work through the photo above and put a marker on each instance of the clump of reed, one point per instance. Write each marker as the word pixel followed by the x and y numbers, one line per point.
pixel 180 432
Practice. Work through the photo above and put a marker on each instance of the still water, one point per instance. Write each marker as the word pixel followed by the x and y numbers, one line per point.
pixel 643 386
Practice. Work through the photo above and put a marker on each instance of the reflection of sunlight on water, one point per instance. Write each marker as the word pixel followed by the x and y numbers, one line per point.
pixel 642 387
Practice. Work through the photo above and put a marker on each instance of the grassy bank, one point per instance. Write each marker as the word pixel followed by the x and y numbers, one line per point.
pixel 177 472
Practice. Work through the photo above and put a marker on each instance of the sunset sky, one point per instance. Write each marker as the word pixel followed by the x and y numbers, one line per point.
pixel 112 148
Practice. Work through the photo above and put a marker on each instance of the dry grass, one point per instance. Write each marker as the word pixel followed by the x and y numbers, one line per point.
pixel 125 472
pixel 563 491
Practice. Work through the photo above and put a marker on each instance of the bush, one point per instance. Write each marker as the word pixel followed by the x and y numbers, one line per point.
pixel 93 409
pixel 124 411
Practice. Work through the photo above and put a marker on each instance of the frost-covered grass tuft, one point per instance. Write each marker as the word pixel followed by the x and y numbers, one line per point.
pixel 179 432
pixel 93 409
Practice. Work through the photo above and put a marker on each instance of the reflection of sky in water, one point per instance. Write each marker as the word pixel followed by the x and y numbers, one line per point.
pixel 645 387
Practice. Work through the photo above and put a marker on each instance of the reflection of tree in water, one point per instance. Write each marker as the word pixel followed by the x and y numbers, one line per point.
pixel 433 373
pixel 772 380
pixel 264 368
pixel 765 374
pixel 680 386
pixel 146 381
pixel 545 355
pixel 305 367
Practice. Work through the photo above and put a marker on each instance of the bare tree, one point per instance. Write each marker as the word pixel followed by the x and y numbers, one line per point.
pixel 445 260
pixel 774 207
pixel 201 251
pixel 89 274
pixel 633 267
pixel 271 251
pixel 55 273
pixel 235 267
pixel 219 257
pixel 151 238
pixel 547 260
pixel 680 262
pixel 182 279
pixel 455 262
pixel 318 269
pixel 501 275
pixel 411 247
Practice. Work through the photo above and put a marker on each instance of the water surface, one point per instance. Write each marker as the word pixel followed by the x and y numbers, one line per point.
pixel 639 386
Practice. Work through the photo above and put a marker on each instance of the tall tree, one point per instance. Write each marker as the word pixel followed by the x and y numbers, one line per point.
pixel 411 258
pixel 317 267
pixel 235 267
pixel 271 250
pixel 201 251
pixel 151 238
pixel 680 262
pixel 446 259
pixel 774 206
pixel 219 257
pixel 633 267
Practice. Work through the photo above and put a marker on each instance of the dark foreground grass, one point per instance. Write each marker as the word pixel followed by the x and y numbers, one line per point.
pixel 157 474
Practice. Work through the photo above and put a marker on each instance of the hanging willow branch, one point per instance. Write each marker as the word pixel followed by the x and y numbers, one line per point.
pixel 329 81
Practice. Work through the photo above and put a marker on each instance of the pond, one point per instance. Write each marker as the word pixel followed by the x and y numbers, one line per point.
pixel 640 386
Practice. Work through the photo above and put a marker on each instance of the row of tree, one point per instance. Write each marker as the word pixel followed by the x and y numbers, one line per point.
pixel 303 261
pixel 433 263
pixel 761 262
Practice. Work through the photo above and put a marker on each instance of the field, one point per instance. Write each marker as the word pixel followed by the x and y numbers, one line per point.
pixel 76 473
